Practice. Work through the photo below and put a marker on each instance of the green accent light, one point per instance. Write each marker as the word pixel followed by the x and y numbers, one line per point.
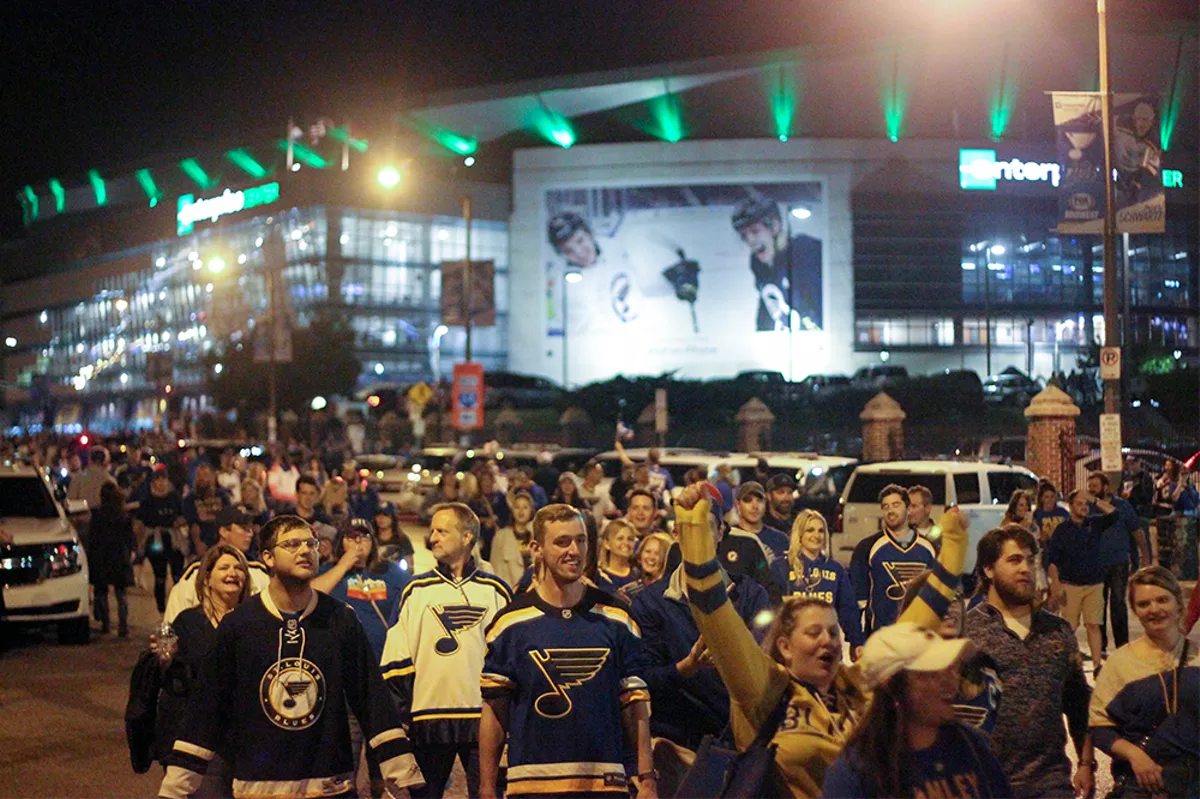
pixel 895 100
pixel 1004 98
pixel 242 159
pixel 455 143
pixel 99 187
pixel 343 135
pixel 1172 179
pixel 31 201
pixel 191 167
pixel 60 196
pixel 190 210
pixel 304 154
pixel 784 94
pixel 149 186
pixel 553 126
pixel 668 117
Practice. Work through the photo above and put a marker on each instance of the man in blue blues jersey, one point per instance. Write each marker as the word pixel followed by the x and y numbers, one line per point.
pixel 883 564
pixel 561 680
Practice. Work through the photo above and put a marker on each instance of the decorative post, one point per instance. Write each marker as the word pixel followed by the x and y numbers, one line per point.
pixel 882 428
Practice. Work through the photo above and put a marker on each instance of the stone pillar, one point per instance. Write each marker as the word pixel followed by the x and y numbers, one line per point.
pixel 508 427
pixel 882 428
pixel 576 427
pixel 645 426
pixel 1051 441
pixel 754 424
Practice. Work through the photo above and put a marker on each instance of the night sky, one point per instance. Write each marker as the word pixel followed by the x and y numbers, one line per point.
pixel 104 84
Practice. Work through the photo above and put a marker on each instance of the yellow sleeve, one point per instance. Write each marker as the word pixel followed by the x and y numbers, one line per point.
pixel 755 682
pixel 934 600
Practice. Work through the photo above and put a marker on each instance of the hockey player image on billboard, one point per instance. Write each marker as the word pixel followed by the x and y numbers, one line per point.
pixel 643 280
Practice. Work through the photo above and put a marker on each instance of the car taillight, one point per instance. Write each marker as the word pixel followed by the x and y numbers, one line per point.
pixel 839 519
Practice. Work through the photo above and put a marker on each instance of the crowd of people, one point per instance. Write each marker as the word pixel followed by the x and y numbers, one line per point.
pixel 578 640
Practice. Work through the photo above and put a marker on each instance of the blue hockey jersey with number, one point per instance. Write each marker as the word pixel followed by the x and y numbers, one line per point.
pixel 567 673
pixel 881 569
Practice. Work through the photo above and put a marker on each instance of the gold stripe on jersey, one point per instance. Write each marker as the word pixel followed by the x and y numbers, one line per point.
pixel 619 616
pixel 512 619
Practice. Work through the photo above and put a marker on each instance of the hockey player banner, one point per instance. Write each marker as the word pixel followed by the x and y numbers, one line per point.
pixel 705 278
pixel 1136 155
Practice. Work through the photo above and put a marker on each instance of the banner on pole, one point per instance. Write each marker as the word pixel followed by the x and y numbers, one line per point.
pixel 483 293
pixel 1141 205
pixel 467 396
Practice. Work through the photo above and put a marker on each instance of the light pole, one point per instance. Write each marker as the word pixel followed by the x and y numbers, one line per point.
pixel 1112 388
pixel 468 300
pixel 572 275
pixel 989 250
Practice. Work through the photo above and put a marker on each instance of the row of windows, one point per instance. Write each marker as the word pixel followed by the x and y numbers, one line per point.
pixel 921 330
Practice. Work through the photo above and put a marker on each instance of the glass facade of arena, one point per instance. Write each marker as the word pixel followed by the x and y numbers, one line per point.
pixel 928 274
pixel 183 296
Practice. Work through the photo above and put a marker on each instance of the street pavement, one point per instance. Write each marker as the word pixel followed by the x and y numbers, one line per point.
pixel 62 709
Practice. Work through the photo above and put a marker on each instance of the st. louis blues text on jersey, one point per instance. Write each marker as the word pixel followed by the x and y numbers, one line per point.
pixel 566 673
pixel 434 652
pixel 826 580
pixel 881 569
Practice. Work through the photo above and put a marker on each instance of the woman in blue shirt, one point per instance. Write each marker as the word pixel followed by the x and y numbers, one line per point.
pixel 616 567
pixel 814 575
pixel 909 743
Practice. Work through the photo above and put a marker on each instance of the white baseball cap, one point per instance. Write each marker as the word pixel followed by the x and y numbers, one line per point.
pixel 907 646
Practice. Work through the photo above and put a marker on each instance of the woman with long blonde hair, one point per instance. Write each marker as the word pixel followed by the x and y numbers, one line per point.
pixel 615 566
pixel 813 574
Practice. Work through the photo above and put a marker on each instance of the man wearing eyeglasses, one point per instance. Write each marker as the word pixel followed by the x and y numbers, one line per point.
pixel 286 667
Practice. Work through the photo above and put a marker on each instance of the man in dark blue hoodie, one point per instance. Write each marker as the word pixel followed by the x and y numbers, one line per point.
pixel 687 698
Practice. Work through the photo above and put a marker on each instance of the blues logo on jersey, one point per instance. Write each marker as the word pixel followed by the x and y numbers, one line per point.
pixel 565 668
pixel 454 619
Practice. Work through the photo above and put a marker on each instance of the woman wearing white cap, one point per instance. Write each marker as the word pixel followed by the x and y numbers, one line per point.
pixel 909 743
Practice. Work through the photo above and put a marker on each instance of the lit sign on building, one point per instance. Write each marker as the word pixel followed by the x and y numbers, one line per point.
pixel 1172 179
pixel 191 210
pixel 979 169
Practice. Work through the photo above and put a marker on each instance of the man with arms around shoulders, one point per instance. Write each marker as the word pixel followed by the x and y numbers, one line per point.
pixel 1038 663
pixel 884 563
pixel 287 667
pixel 234 527
pixel 435 650
pixel 562 680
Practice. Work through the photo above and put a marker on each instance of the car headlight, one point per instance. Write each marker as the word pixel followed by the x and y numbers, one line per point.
pixel 62 560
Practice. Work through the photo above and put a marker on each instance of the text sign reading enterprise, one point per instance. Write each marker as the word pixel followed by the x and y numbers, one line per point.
pixel 191 210
pixel 979 169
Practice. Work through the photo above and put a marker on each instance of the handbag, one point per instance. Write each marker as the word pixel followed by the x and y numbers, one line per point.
pixel 720 772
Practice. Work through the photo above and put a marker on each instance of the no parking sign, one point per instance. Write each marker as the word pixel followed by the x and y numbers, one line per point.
pixel 467 396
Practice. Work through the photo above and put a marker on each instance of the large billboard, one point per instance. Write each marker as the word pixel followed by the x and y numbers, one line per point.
pixel 701 278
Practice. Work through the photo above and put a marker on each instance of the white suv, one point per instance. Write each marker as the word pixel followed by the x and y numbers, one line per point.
pixel 982 490
pixel 43 567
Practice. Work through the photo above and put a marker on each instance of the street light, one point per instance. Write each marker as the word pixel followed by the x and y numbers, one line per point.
pixel 389 177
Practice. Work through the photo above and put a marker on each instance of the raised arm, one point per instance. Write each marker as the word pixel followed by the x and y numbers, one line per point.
pixel 755 682
pixel 933 601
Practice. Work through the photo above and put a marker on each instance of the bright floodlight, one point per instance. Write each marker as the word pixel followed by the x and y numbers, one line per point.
pixel 469 161
pixel 317 403
pixel 997 249
pixel 216 265
pixel 10 342
pixel 378 368
pixel 574 276
pixel 800 212
pixel 389 177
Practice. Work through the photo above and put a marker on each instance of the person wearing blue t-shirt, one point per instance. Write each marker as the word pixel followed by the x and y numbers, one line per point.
pixel 909 743
pixel 1116 543
pixel 814 575
pixel 615 567
pixel 1078 566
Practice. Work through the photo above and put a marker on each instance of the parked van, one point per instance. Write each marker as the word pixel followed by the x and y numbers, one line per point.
pixel 982 490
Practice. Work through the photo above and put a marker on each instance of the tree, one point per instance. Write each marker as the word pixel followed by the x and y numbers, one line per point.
pixel 324 364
